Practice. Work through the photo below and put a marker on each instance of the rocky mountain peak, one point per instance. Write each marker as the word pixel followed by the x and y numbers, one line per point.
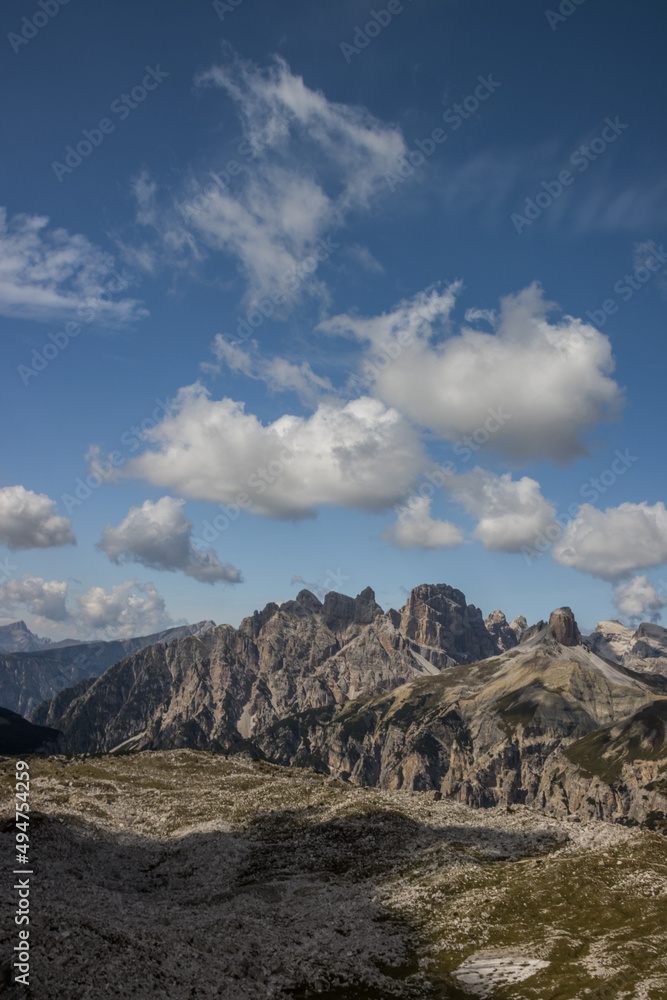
pixel 505 635
pixel 255 622
pixel 309 601
pixel 563 627
pixel 341 611
pixel 437 615
pixel 518 626
pixel 17 637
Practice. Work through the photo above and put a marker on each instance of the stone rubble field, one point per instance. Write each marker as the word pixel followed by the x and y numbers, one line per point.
pixel 180 874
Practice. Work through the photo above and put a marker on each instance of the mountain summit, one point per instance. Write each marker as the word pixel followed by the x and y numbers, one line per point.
pixel 230 684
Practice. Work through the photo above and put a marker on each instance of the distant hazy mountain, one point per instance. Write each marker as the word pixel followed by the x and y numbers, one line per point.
pixel 17 638
pixel 27 678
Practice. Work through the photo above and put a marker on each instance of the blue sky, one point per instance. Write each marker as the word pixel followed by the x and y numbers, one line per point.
pixel 265 269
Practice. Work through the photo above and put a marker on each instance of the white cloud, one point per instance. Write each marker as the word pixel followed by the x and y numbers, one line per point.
pixel 305 164
pixel 552 379
pixel 487 315
pixel 511 514
pixel 48 274
pixel 639 599
pixel 359 455
pixel 159 535
pixel 615 542
pixel 46 598
pixel 279 374
pixel 28 520
pixel 361 256
pixel 128 609
pixel 362 148
pixel 416 529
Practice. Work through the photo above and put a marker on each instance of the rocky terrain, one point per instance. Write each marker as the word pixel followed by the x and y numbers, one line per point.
pixel 547 723
pixel 428 698
pixel 643 648
pixel 28 677
pixel 228 685
pixel 173 875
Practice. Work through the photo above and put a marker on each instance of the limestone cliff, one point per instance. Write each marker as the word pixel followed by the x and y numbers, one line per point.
pixel 230 684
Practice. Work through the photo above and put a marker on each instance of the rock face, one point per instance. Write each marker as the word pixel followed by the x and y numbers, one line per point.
pixel 643 649
pixel 407 699
pixel 548 723
pixel 438 617
pixel 563 628
pixel 28 678
pixel 231 684
pixel 505 635
pixel 611 640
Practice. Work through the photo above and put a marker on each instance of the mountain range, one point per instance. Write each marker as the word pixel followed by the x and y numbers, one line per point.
pixel 430 698
pixel 17 638
pixel 29 676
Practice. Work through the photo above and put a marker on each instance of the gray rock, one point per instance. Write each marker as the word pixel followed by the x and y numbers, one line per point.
pixel 306 655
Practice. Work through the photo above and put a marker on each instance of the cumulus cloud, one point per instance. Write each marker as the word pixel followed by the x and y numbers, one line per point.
pixel 306 163
pixel 510 513
pixel 639 599
pixel 46 598
pixel 49 274
pixel 359 455
pixel 28 520
pixel 128 609
pixel 416 529
pixel 553 378
pixel 159 535
pixel 279 374
pixel 613 543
